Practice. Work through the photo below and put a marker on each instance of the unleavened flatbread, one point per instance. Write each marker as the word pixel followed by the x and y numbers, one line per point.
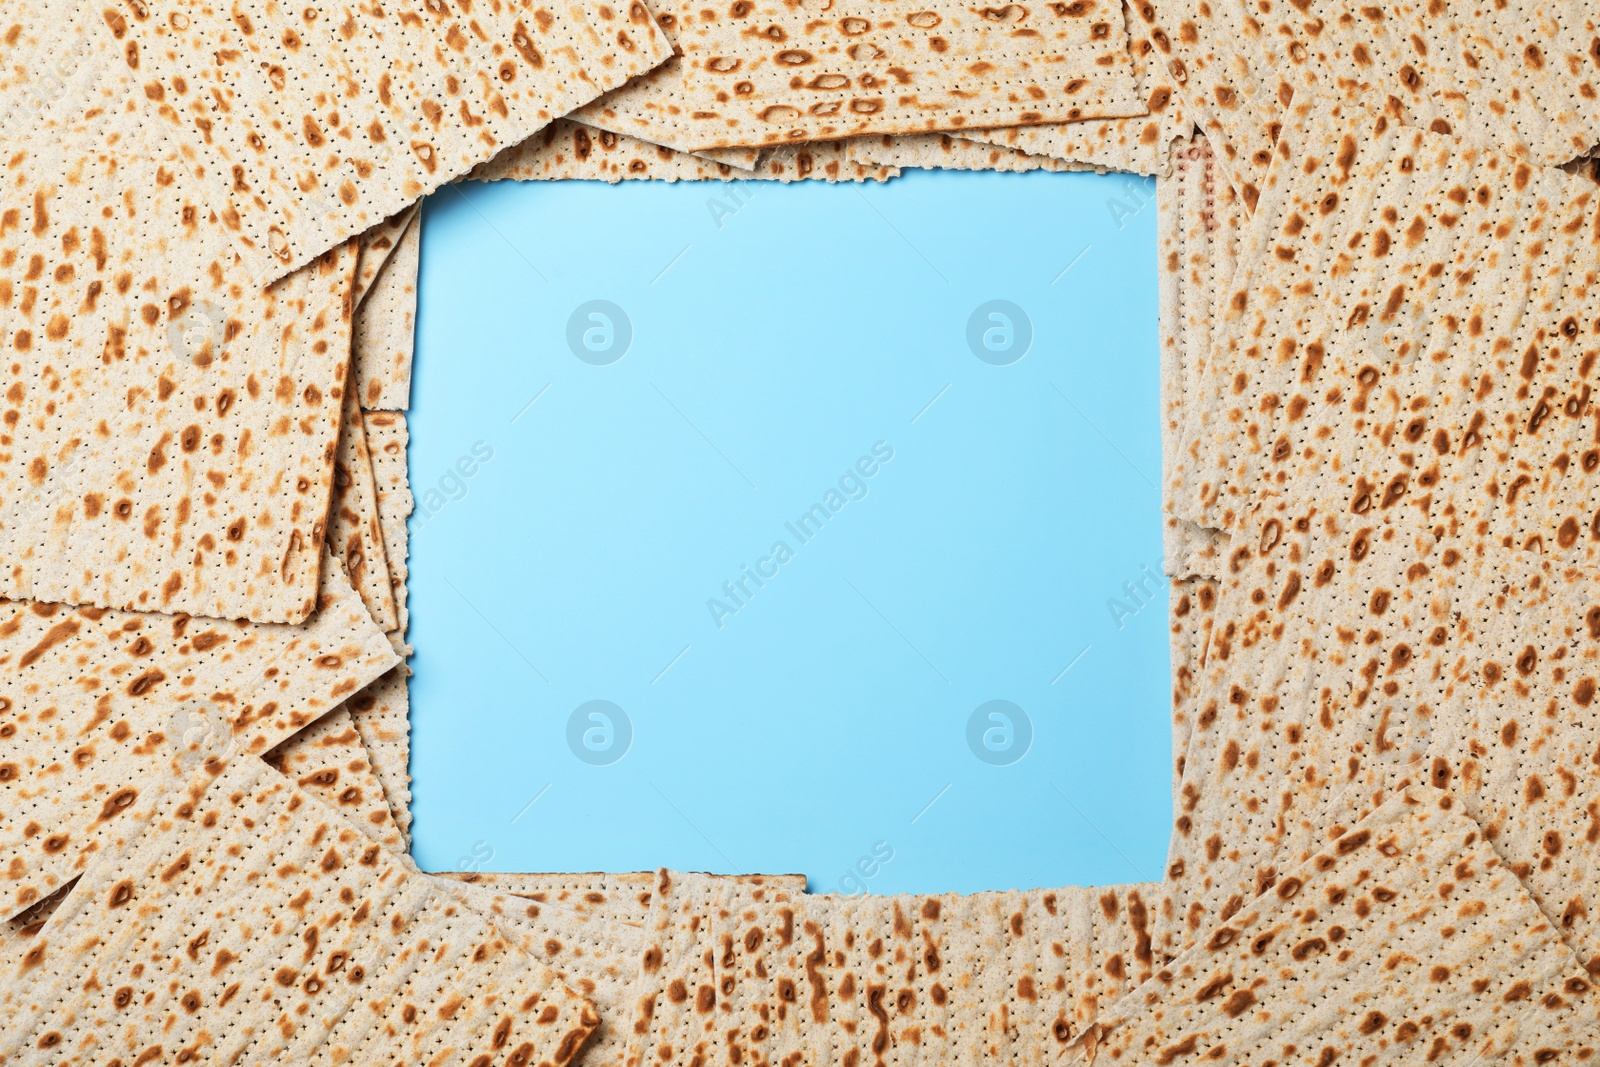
pixel 245 921
pixel 759 73
pixel 306 127
pixel 102 711
pixel 568 150
pixel 169 426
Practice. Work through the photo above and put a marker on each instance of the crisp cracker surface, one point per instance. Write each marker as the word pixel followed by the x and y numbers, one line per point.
pixel 246 920
pixel 385 327
pixel 170 425
pixel 308 126
pixel 769 977
pixel 105 711
pixel 1404 938
pixel 766 73
pixel 328 760
pixel 571 150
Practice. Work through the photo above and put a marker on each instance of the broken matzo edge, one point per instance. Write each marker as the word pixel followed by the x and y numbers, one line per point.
pixel 566 149
pixel 377 245
pixel 623 898
pixel 382 716
pixel 328 760
pixel 941 151
pixel 16 933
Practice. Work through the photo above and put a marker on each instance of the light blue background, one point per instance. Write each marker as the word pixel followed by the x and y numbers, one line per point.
pixel 779 332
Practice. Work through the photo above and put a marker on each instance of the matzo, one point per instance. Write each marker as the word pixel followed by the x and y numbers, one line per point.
pixel 1520 77
pixel 97 708
pixel 355 533
pixel 382 715
pixel 1140 143
pixel 248 922
pixel 328 760
pixel 309 126
pixel 385 328
pixel 571 150
pixel 1197 226
pixel 596 958
pixel 1192 602
pixel 1515 737
pixel 1403 939
pixel 16 933
pixel 1011 977
pixel 377 244
pixel 623 898
pixel 674 990
pixel 386 444
pixel 1412 330
pixel 760 72
pixel 1325 666
pixel 941 151
pixel 169 427
pixel 1413 658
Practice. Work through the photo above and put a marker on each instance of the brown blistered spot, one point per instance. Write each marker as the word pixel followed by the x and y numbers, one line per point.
pixel 146 682
pixel 1213 988
pixel 118 802
pixel 523 42
pixel 1352 841
pixel 1311 946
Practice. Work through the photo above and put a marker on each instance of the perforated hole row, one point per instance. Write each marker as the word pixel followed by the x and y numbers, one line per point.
pixel 1354 391
pixel 161 457
pixel 770 74
pixel 1360 950
pixel 309 125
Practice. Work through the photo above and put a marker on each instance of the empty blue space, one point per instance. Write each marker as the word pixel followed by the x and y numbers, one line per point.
pixel 742 544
